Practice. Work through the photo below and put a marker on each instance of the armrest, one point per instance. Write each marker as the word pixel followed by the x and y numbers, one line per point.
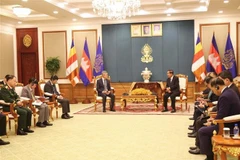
pixel 24 99
pixel 4 103
pixel 48 94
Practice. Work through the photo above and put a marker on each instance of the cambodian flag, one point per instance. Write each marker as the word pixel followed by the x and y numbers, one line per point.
pixel 214 61
pixel 229 61
pixel 85 71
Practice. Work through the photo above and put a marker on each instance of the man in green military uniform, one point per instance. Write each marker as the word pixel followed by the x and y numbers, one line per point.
pixel 9 95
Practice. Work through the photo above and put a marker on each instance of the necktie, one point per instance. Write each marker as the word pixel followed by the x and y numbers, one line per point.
pixel 105 85
pixel 54 89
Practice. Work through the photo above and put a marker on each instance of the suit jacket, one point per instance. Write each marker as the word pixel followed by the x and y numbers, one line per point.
pixel 235 88
pixel 174 85
pixel 49 87
pixel 26 92
pixel 100 85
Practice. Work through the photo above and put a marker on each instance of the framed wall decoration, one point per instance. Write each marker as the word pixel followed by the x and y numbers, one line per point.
pixel 146 30
pixel 136 30
pixel 157 29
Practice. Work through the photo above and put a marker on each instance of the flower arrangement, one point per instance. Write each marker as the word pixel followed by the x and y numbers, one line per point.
pixel 141 91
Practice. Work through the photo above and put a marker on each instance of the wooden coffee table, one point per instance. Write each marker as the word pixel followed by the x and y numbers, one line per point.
pixel 223 146
pixel 138 99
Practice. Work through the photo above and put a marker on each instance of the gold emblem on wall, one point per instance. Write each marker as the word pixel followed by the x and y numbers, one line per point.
pixel 146 51
pixel 27 40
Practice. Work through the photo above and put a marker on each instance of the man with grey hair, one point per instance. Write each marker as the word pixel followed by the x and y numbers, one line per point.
pixel 104 90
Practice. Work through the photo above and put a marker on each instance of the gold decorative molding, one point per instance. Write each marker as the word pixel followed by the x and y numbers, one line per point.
pixel 27 40
pixel 146 51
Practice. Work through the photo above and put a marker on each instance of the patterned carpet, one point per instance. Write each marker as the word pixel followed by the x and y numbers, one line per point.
pixel 134 109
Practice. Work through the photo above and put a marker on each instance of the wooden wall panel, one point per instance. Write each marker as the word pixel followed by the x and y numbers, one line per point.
pixel 80 91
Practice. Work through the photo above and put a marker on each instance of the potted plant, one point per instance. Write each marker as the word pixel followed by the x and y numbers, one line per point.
pixel 52 65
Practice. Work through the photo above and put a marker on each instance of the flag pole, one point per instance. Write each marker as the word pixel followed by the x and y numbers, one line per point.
pixel 86 100
pixel 73 100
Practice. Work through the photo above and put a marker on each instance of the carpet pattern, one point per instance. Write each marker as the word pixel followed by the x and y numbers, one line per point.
pixel 133 109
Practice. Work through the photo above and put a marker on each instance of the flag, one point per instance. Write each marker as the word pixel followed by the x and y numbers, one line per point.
pixel 86 67
pixel 72 66
pixel 98 64
pixel 214 61
pixel 198 65
pixel 229 61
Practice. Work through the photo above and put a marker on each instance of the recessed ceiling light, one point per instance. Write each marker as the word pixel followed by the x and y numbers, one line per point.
pixel 55 12
pixel 142 12
pixel 24 0
pixel 86 15
pixel 170 10
pixel 73 10
pixel 226 1
pixel 168 3
pixel 74 19
pixel 19 22
pixel 220 11
pixel 168 14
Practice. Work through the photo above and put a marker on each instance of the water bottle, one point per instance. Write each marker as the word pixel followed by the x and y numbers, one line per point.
pixel 236 130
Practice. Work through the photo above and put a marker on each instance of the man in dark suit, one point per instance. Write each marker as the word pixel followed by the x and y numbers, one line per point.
pixel 172 90
pixel 2 127
pixel 226 76
pixel 9 95
pixel 104 90
pixel 50 87
pixel 228 105
pixel 28 91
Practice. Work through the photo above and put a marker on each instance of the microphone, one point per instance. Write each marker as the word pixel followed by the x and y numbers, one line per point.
pixel 125 93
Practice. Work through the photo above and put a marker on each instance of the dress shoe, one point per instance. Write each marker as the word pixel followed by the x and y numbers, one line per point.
pixel 64 116
pixel 165 110
pixel 195 151
pixel 113 110
pixel 46 123
pixel 21 132
pixel 3 142
pixel 191 118
pixel 28 130
pixel 193 135
pixel 69 115
pixel 191 132
pixel 173 111
pixel 104 110
pixel 192 148
pixel 191 128
pixel 41 125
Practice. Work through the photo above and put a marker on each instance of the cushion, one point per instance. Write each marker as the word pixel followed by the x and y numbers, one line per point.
pixel 232 118
pixel 100 98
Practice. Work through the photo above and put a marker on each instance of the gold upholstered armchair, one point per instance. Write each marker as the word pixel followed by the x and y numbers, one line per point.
pixel 98 99
pixel 183 83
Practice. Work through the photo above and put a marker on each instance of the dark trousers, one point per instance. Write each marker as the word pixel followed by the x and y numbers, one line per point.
pixel 199 124
pixel 2 124
pixel 104 98
pixel 173 99
pixel 65 105
pixel 25 117
pixel 205 135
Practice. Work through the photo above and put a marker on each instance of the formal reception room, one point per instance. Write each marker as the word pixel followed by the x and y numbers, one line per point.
pixel 119 79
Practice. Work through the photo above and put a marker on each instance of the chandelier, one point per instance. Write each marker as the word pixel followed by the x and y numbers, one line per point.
pixel 116 9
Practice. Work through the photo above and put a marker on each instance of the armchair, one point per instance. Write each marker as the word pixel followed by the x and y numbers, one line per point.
pixel 98 99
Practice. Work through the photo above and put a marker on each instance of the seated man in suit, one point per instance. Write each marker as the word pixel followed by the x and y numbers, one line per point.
pixel 2 127
pixel 104 90
pixel 9 95
pixel 50 87
pixel 228 105
pixel 172 90
pixel 226 76
pixel 29 92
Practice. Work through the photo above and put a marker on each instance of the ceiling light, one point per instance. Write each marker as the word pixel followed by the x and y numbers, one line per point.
pixel 142 12
pixel 19 22
pixel 168 14
pixel 201 9
pixel 24 0
pixel 220 11
pixel 168 3
pixel 21 12
pixel 74 19
pixel 226 1
pixel 170 10
pixel 86 15
pixel 74 10
pixel 55 12
pixel 116 9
